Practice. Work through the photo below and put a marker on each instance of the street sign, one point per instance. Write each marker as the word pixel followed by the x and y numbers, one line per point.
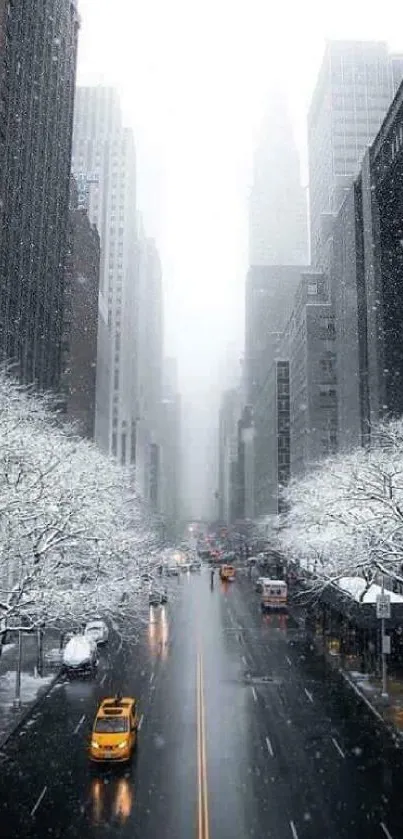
pixel 386 645
pixel 383 606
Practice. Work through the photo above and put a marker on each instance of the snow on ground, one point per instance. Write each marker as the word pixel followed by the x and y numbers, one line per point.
pixel 6 648
pixel 30 687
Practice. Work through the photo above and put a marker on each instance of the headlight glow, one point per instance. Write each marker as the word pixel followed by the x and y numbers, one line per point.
pixel 94 744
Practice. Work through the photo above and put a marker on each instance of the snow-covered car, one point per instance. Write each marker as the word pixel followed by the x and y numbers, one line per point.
pixel 98 631
pixel 80 655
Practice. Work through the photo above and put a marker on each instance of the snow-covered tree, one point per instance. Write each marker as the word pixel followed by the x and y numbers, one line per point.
pixel 73 539
pixel 346 517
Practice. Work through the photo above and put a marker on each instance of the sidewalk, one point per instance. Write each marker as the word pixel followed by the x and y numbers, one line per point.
pixel 34 685
pixel 367 686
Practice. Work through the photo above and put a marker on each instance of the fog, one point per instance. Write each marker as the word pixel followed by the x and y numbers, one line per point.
pixel 194 80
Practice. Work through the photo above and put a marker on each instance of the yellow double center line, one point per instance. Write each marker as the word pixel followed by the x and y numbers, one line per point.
pixel 203 830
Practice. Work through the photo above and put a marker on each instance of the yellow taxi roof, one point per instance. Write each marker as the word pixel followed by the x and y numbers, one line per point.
pixel 110 708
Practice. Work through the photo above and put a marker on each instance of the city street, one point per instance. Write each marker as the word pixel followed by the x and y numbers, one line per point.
pixel 243 733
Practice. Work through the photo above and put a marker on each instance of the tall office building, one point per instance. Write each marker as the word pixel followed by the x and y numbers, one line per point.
pixel 81 319
pixel 278 214
pixel 149 369
pixel 170 435
pixel 269 298
pixel 104 160
pixel 355 87
pixel 230 409
pixel 37 80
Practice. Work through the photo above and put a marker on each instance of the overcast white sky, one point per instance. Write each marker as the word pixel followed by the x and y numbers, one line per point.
pixel 194 75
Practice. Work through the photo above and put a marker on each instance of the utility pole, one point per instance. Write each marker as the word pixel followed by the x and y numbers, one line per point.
pixel 383 612
pixel 17 698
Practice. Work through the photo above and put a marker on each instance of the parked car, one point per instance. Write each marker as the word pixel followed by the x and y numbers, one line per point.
pixel 158 598
pixel 172 570
pixel 98 631
pixel 80 656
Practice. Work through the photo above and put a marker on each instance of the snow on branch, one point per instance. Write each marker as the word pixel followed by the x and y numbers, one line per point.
pixel 345 518
pixel 74 540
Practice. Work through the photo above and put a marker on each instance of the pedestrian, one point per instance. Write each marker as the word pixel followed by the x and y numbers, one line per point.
pixel 212 578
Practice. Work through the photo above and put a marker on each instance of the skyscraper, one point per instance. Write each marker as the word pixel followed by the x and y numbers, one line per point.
pixel 149 365
pixel 37 80
pixel 81 319
pixel 104 156
pixel 355 87
pixel 278 214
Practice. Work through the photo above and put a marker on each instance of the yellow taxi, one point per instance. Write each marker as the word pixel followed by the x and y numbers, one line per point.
pixel 114 734
pixel 227 572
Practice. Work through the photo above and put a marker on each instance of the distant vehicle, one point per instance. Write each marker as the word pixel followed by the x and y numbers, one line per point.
pixel 172 570
pixel 274 595
pixel 158 598
pixel 80 656
pixel 114 734
pixel 185 566
pixel 98 631
pixel 204 550
pixel 259 583
pixel 227 572
pixel 227 555
pixel 195 565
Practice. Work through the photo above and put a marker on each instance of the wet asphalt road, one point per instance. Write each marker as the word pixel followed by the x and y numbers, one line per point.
pixel 243 734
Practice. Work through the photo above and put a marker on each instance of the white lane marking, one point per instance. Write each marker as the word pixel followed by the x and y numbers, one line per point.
pixel 80 722
pixel 151 678
pixel 269 747
pixel 102 682
pixel 336 745
pixel 140 722
pixel 243 659
pixel 386 831
pixel 293 830
pixel 42 795
pixel 254 694
pixel 288 660
pixel 309 695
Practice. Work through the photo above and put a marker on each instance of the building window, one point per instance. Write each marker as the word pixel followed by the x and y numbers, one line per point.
pixel 312 288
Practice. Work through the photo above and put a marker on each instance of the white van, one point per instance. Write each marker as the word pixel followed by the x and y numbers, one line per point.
pixel 274 595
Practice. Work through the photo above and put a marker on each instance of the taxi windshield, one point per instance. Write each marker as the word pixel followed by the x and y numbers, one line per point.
pixel 116 725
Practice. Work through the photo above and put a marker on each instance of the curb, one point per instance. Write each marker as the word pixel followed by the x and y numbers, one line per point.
pixel 30 709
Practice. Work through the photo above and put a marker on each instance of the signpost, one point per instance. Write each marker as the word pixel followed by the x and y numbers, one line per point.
pixel 383 612
pixel 383 606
